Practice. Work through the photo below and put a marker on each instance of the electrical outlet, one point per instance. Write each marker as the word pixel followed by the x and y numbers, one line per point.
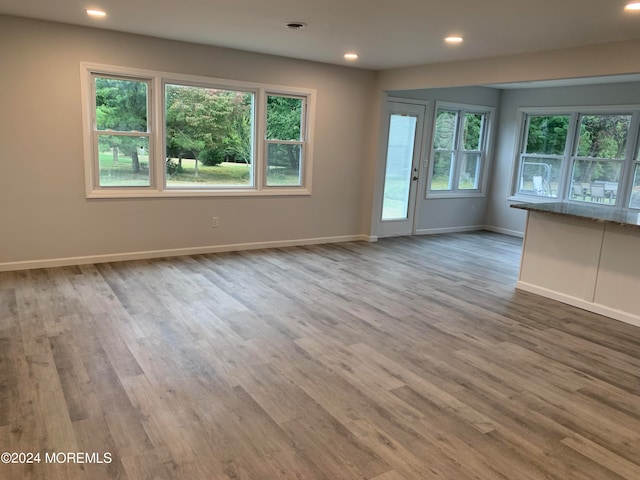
pixel 215 222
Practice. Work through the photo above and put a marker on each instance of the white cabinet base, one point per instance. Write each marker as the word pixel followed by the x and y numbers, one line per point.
pixel 591 265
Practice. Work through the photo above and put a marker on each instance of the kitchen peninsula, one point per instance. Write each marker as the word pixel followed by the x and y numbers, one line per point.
pixel 583 255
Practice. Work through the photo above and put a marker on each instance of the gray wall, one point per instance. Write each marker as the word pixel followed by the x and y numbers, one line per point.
pixel 43 210
pixel 499 215
pixel 442 214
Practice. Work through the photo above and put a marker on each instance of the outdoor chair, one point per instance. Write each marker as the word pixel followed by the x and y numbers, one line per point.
pixel 597 192
pixel 538 186
pixel 611 190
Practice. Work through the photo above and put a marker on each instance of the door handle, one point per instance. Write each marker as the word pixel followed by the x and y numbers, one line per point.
pixel 415 177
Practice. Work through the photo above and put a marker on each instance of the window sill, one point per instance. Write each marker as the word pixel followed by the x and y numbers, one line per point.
pixel 433 195
pixel 122 193
pixel 533 199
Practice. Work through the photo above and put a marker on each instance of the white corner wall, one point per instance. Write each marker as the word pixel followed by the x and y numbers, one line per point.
pixel 44 214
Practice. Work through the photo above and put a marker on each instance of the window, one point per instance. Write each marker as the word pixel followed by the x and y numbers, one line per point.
pixel 208 136
pixel 284 141
pixel 121 131
pixel 542 155
pixel 459 150
pixel 155 134
pixel 598 162
pixel 580 156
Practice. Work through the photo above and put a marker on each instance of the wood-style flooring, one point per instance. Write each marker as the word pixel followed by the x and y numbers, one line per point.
pixel 409 358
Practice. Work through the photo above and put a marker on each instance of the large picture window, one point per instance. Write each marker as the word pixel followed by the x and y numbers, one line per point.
pixel 156 134
pixel 459 150
pixel 208 137
pixel 581 156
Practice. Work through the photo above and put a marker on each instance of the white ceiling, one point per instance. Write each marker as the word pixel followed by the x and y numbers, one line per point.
pixel 386 33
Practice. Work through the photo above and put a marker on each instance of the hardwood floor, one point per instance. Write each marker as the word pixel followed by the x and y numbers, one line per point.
pixel 410 358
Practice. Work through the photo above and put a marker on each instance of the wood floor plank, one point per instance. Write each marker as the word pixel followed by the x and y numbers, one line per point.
pixel 95 437
pixel 438 397
pixel 157 410
pixel 123 420
pixel 430 464
pixel 333 447
pixel 392 475
pixel 622 467
pixel 613 397
pixel 281 398
pixel 82 402
pixel 394 423
pixel 572 408
pixel 409 358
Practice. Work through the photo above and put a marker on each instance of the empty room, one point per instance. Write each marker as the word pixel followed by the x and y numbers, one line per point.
pixel 319 240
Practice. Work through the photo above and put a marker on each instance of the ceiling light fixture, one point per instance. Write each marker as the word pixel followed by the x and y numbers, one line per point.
pixel 632 7
pixel 295 25
pixel 92 12
pixel 454 39
pixel 351 56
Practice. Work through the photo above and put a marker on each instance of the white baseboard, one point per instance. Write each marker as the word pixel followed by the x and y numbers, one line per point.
pixel 504 231
pixel 435 231
pixel 176 252
pixel 580 303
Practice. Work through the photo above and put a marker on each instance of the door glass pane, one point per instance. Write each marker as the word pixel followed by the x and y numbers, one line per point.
pixel 635 189
pixel 442 171
pixel 469 171
pixel 397 181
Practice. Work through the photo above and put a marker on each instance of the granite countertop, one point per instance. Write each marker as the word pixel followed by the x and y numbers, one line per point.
pixel 594 213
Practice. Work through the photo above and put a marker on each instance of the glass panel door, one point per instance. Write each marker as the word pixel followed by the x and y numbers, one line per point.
pixel 397 180
pixel 404 129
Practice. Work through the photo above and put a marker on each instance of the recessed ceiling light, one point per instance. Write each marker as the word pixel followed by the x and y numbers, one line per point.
pixel 454 39
pixel 632 7
pixel 351 56
pixel 295 25
pixel 92 12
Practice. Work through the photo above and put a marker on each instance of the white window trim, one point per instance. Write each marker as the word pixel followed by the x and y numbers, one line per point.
pixel 157 188
pixel 485 152
pixel 575 113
